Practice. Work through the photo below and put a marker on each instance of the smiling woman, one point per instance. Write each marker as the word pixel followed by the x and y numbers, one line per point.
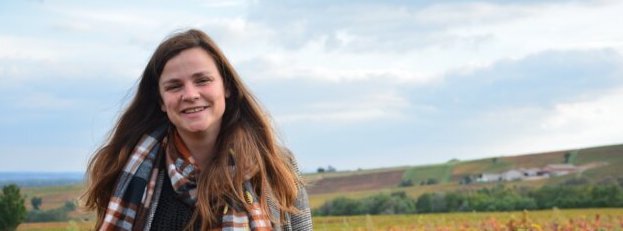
pixel 194 151
pixel 193 97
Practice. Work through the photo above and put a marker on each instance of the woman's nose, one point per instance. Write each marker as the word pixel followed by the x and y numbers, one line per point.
pixel 190 94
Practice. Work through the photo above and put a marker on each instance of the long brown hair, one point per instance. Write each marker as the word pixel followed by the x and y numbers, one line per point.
pixel 246 132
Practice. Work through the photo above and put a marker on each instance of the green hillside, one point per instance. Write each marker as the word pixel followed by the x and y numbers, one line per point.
pixel 605 162
pixel 441 173
pixel 611 155
pixel 598 164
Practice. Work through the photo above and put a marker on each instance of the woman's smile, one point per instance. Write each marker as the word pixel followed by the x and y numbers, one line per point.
pixel 193 93
pixel 194 110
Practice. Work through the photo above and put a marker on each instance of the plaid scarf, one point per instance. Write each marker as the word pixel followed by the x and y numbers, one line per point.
pixel 129 205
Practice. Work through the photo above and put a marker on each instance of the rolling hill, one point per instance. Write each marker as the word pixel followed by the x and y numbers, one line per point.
pixel 602 163
pixel 595 164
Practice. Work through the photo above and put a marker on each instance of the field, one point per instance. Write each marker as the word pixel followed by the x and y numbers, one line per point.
pixel 53 196
pixel 581 219
pixel 355 182
pixel 573 219
pixel 316 200
pixel 56 226
pixel 364 183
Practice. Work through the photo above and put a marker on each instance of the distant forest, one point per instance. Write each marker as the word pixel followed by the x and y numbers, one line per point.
pixel 37 179
pixel 574 193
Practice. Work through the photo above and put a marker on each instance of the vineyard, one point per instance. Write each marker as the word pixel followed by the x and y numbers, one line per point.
pixel 546 220
pixel 585 189
pixel 555 220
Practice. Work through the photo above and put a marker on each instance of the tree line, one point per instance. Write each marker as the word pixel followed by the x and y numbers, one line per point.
pixel 394 203
pixel 571 194
pixel 13 210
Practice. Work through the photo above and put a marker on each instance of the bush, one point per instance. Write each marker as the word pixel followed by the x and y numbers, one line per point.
pixel 69 206
pixel 339 206
pixel 57 214
pixel 405 183
pixel 394 203
pixel 429 181
pixel 36 202
pixel 12 209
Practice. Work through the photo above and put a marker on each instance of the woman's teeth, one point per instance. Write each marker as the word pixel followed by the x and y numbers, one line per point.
pixel 195 109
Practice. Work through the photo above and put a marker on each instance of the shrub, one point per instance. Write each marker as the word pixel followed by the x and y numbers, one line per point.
pixel 12 209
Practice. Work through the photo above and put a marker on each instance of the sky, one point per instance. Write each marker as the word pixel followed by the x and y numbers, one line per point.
pixel 351 84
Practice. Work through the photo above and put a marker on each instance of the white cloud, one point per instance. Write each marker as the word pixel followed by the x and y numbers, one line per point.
pixel 470 13
pixel 222 3
pixel 430 41
pixel 598 118
pixel 552 26
pixel 44 101
pixel 584 123
pixel 98 17
pixel 341 65
pixel 48 158
pixel 29 48
pixel 348 111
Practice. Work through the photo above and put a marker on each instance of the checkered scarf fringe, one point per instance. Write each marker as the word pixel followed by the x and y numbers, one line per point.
pixel 128 208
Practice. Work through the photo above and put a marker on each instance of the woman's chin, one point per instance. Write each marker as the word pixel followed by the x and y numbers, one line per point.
pixel 193 129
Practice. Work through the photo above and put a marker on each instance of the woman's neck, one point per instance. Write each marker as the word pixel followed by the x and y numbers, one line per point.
pixel 201 146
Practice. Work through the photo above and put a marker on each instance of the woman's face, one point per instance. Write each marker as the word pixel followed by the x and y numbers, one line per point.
pixel 192 91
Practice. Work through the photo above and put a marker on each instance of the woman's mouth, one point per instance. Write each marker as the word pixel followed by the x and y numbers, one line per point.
pixel 193 109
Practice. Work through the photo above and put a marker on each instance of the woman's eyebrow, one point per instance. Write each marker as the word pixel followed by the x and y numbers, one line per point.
pixel 170 81
pixel 202 73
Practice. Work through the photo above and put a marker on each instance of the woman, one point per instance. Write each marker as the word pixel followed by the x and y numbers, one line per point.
pixel 194 150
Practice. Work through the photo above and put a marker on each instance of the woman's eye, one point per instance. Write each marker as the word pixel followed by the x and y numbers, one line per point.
pixel 203 81
pixel 172 87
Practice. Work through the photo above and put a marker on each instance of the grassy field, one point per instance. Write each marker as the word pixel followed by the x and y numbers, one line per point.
pixel 56 226
pixel 316 200
pixel 53 196
pixel 572 219
pixel 441 173
pixel 609 160
pixel 584 219
pixel 311 177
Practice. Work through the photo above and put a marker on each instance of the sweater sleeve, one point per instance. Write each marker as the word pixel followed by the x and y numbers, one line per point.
pixel 301 220
pixel 294 221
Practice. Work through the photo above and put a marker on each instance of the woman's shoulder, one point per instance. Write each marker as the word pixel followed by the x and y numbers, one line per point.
pixel 289 159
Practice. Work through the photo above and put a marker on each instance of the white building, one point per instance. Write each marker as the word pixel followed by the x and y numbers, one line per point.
pixel 512 174
pixel 489 177
pixel 559 169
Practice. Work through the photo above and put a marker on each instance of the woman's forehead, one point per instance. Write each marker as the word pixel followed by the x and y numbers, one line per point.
pixel 189 63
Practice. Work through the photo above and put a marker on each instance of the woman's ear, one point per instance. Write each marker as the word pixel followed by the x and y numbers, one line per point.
pixel 162 107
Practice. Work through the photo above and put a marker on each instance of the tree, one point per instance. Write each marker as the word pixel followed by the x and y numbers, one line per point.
pixel 577 181
pixel 424 203
pixel 567 157
pixel 405 183
pixel 12 209
pixel 339 206
pixel 429 181
pixel 36 202
pixel 320 170
pixel 467 180
pixel 394 203
pixel 69 206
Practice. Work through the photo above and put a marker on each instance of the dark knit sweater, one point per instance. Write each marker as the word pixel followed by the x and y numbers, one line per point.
pixel 171 213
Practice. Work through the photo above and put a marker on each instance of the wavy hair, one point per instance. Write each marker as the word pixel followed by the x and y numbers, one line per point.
pixel 246 131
